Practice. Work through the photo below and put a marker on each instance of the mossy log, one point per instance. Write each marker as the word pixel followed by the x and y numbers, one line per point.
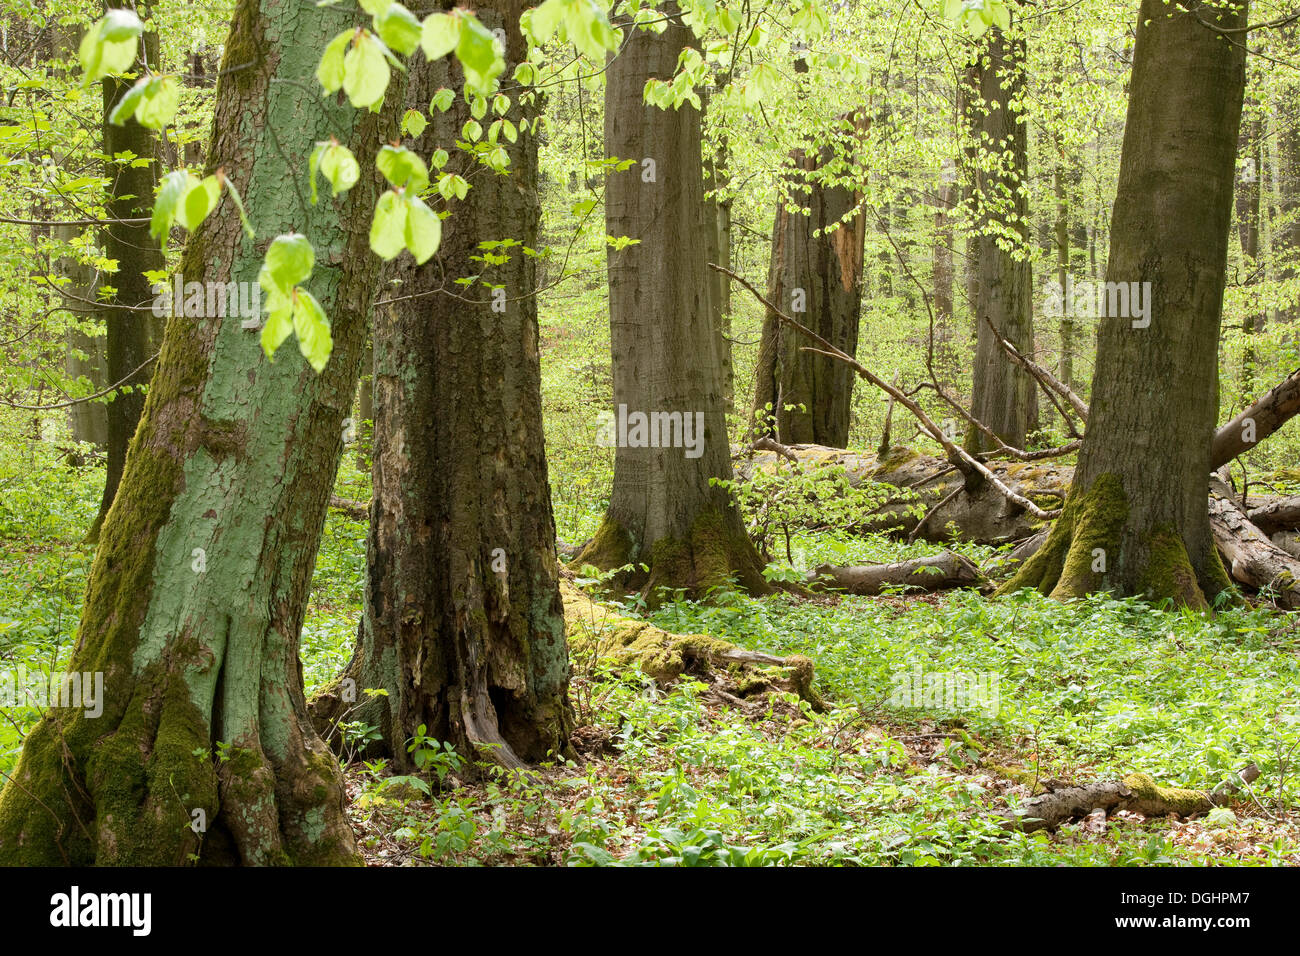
pixel 735 675
pixel 937 572
pixel 1137 793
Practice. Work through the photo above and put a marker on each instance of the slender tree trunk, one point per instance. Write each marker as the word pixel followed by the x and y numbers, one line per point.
pixel 1136 520
pixel 128 339
pixel 203 749
pixel 1248 196
pixel 463 623
pixel 1004 396
pixel 1286 241
pixel 663 511
pixel 1062 275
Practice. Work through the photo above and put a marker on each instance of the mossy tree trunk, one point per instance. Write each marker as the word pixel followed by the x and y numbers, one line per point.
pixel 463 623
pixel 663 511
pixel 1003 395
pixel 815 276
pixel 203 749
pixel 127 344
pixel 1136 520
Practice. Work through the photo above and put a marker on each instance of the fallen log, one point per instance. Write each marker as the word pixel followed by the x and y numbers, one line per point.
pixel 936 572
pixel 735 675
pixel 1279 514
pixel 1249 556
pixel 356 510
pixel 1137 793
pixel 1246 430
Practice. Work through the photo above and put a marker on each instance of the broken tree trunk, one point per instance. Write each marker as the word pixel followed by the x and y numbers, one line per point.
pixel 1278 514
pixel 936 572
pixel 734 674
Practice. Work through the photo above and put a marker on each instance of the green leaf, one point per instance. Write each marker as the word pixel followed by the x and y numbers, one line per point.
pixel 365 71
pixel 439 158
pixel 440 34
pixel 442 100
pixel 109 46
pixel 289 260
pixel 1001 15
pixel 200 199
pixel 414 123
pixel 540 23
pixel 125 107
pixel 388 228
pixel 477 52
pixel 239 207
pixel 951 10
pixel 330 72
pixel 423 230
pixel 337 164
pixel 312 328
pixel 162 95
pixel 279 321
pixel 399 28
pixel 171 192
pixel 403 168
pixel 375 7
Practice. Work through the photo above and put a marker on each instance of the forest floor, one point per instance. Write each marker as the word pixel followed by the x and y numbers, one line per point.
pixel 1083 691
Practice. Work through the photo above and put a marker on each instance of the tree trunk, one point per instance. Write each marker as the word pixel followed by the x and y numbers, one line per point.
pixel 1003 395
pixel 663 511
pixel 1248 195
pixel 816 276
pixel 1136 520
pixel 203 750
pixel 463 623
pixel 136 252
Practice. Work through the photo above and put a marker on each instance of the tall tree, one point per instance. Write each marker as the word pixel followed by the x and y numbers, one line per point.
pixel 815 274
pixel 1003 394
pixel 199 586
pixel 463 625
pixel 127 240
pixel 1136 519
pixel 663 510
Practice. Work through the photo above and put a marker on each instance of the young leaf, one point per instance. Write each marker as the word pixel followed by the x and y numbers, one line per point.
pixel 477 51
pixel 414 123
pixel 312 328
pixel 442 100
pixel 200 199
pixel 171 192
pixel 423 230
pixel 279 321
pixel 399 28
pixel 440 34
pixel 157 108
pixel 388 228
pixel 109 46
pixel 365 71
pixel 330 72
pixel 403 168
pixel 289 260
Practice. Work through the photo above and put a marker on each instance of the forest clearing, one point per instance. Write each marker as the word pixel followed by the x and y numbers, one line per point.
pixel 674 433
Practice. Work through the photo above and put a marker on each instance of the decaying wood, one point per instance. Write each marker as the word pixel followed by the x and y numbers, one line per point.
pixel 598 632
pixel 936 572
pixel 1249 556
pixel 356 510
pixel 1278 514
pixel 1137 793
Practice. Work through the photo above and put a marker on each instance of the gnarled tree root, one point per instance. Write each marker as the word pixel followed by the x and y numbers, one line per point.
pixel 737 676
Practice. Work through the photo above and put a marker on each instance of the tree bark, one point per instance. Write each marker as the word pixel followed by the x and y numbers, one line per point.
pixel 663 511
pixel 463 624
pixel 127 343
pixel 203 749
pixel 1003 395
pixel 1137 519
pixel 816 276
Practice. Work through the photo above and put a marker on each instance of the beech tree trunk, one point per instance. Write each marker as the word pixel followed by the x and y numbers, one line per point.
pixel 127 345
pixel 463 623
pixel 663 511
pixel 1003 395
pixel 1136 520
pixel 199 586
